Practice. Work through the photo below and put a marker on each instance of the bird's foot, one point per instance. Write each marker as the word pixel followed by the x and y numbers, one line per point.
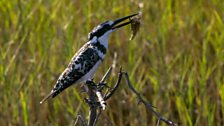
pixel 102 85
pixel 90 83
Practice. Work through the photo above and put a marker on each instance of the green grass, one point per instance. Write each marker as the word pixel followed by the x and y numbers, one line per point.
pixel 176 61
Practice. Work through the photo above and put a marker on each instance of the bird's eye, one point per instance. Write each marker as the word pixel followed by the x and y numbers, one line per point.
pixel 99 30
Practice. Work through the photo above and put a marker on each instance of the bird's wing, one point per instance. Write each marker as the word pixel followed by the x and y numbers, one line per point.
pixel 80 65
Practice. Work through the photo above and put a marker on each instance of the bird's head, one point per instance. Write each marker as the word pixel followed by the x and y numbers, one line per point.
pixel 102 31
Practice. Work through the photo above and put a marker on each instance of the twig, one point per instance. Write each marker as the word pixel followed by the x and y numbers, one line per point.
pixel 148 106
pixel 106 75
pixel 93 107
pixel 107 96
pixel 97 116
pixel 93 92
pixel 80 117
pixel 100 99
pixel 101 85
pixel 96 99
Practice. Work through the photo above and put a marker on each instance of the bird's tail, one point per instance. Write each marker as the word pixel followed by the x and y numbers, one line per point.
pixel 47 97
pixel 59 87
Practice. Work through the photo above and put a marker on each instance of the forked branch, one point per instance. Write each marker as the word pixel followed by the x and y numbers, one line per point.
pixel 148 106
pixel 97 100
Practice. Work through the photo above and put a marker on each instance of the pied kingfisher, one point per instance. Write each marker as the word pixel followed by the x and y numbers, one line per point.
pixel 86 61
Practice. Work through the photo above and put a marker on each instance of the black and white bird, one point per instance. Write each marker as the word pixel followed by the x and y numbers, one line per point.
pixel 85 62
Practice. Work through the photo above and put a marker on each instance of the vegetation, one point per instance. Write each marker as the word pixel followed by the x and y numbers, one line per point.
pixel 176 61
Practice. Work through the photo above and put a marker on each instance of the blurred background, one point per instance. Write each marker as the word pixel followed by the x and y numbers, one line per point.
pixel 176 61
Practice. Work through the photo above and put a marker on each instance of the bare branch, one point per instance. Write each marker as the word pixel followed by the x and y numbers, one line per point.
pixel 106 75
pixel 93 92
pixel 107 96
pixel 97 116
pixel 148 106
pixel 92 106
pixel 80 117
pixel 100 99
pixel 96 99
pixel 99 90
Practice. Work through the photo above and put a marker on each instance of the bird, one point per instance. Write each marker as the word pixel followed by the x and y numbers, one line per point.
pixel 88 58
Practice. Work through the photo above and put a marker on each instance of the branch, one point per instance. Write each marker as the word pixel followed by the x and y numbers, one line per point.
pixel 92 106
pixel 97 102
pixel 80 117
pixel 95 90
pixel 100 99
pixel 101 85
pixel 97 116
pixel 106 75
pixel 107 96
pixel 148 106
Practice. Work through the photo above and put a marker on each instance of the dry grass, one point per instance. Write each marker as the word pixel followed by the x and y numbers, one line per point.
pixel 176 61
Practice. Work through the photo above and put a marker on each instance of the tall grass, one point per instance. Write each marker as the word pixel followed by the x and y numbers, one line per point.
pixel 176 61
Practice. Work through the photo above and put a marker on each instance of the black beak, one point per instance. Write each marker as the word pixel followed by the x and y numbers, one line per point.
pixel 115 26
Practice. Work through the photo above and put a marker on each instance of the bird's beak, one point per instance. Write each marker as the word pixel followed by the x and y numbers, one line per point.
pixel 116 24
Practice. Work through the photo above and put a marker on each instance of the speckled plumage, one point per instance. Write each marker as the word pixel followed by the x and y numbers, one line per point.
pixel 80 65
pixel 86 61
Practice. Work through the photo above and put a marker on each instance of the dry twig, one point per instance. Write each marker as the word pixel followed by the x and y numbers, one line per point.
pixel 80 117
pixel 97 101
pixel 94 93
pixel 148 106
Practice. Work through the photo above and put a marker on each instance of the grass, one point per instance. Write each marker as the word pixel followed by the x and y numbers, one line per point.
pixel 176 61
